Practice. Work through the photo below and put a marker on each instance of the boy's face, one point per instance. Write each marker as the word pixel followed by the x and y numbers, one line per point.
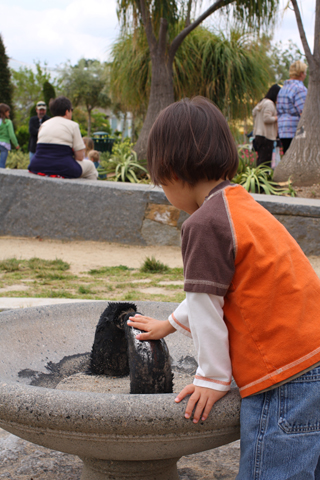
pixel 181 195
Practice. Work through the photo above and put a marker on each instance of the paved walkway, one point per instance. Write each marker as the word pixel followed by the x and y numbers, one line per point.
pixel 7 303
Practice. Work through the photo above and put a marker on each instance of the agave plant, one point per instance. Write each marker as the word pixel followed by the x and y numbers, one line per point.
pixel 259 180
pixel 125 163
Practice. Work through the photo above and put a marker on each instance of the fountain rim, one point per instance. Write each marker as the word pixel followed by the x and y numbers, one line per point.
pixel 99 413
pixel 63 410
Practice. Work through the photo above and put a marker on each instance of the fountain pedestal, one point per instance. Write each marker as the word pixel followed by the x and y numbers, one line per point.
pixel 118 436
pixel 94 469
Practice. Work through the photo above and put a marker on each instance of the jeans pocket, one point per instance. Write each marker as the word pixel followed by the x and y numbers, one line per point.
pixel 299 404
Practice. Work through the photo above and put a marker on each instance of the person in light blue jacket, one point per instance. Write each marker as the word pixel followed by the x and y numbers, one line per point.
pixel 290 103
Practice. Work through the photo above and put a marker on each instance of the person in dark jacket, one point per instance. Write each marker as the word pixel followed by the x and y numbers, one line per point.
pixel 34 125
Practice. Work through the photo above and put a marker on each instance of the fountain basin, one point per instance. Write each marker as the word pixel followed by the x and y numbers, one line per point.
pixel 117 436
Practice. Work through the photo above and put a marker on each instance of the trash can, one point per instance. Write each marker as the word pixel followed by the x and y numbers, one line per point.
pixel 102 141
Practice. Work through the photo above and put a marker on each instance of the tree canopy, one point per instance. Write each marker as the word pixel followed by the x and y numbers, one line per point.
pixel 48 91
pixel 86 83
pixel 232 70
pixel 6 88
pixel 28 89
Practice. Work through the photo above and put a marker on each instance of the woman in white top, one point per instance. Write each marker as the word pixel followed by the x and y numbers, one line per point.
pixel 266 125
pixel 60 148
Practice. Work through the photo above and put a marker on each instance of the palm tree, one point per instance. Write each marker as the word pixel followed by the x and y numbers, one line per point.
pixel 130 75
pixel 159 19
pixel 233 71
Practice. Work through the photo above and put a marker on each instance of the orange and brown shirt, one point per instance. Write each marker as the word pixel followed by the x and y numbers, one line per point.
pixel 233 247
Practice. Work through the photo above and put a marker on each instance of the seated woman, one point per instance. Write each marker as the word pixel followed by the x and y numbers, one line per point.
pixel 60 148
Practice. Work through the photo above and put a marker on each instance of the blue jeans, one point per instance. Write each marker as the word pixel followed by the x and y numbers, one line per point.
pixel 3 156
pixel 280 432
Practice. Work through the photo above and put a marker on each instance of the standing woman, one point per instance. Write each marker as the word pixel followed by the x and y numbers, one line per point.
pixel 266 126
pixel 291 102
pixel 6 134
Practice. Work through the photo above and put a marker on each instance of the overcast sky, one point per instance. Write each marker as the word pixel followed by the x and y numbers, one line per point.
pixel 59 30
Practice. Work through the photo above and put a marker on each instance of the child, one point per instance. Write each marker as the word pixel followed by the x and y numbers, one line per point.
pixel 94 156
pixel 7 135
pixel 252 302
pixel 89 146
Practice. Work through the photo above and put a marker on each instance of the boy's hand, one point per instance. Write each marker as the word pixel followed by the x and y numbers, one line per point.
pixel 205 398
pixel 155 329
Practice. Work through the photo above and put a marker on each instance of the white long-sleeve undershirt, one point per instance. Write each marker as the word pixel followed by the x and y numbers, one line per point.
pixel 200 316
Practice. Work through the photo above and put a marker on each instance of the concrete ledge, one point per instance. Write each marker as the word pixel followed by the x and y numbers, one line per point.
pixel 85 210
pixel 121 212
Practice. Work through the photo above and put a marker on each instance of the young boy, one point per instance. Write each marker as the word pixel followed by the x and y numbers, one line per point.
pixel 94 156
pixel 252 302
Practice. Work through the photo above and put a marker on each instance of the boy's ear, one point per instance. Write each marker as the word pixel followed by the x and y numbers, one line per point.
pixel 174 176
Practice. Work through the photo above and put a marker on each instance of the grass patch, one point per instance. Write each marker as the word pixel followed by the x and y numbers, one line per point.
pixel 109 270
pixel 60 294
pixel 152 265
pixel 85 290
pixel 10 265
pixel 37 264
pixel 51 278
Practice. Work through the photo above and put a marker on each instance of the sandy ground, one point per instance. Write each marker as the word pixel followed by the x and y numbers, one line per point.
pixel 84 256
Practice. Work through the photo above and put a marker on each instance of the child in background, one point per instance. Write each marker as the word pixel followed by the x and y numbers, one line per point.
pixel 252 302
pixel 7 135
pixel 89 146
pixel 94 156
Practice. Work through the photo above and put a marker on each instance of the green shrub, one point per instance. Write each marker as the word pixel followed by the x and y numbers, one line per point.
pixel 23 136
pixel 121 148
pixel 124 163
pixel 18 159
pixel 100 122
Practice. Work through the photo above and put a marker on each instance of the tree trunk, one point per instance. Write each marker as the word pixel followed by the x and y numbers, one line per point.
pixel 89 122
pixel 133 118
pixel 124 126
pixel 161 95
pixel 301 163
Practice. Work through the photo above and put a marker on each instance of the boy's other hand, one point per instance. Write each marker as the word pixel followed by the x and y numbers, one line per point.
pixel 201 397
pixel 155 329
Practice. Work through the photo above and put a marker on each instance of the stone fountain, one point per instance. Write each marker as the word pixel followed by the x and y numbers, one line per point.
pixel 118 436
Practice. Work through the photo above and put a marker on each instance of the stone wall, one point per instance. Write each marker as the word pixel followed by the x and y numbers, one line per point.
pixel 79 209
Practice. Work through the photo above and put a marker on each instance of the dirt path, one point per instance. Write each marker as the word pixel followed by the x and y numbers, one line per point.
pixel 84 256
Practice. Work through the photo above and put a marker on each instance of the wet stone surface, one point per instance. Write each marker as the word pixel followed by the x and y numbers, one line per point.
pixel 21 460
pixel 82 382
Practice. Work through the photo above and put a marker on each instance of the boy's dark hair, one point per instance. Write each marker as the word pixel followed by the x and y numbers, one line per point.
pixel 192 140
pixel 272 93
pixel 58 106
